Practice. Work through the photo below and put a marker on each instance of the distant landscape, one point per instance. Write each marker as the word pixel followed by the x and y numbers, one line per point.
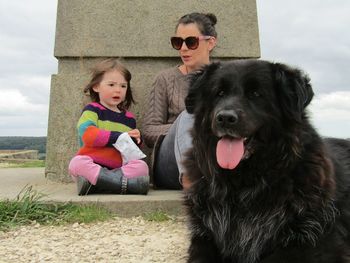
pixel 23 143
pixel 26 143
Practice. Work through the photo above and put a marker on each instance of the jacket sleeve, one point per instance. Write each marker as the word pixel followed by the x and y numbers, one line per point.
pixel 156 116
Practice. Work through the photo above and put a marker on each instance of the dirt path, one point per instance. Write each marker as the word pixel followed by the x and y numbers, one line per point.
pixel 122 240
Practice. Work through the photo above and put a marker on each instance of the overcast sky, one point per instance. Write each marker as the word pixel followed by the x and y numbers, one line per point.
pixel 313 35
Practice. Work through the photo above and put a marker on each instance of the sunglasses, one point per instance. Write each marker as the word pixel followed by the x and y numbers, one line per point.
pixel 191 42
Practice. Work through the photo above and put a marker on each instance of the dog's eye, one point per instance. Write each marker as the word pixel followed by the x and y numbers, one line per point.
pixel 254 94
pixel 221 93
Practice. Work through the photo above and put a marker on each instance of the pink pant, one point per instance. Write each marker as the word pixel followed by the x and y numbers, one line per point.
pixel 82 165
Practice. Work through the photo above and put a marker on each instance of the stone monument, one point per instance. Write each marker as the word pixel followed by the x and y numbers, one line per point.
pixel 138 33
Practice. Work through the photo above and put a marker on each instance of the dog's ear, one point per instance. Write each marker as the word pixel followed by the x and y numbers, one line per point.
pixel 294 90
pixel 195 83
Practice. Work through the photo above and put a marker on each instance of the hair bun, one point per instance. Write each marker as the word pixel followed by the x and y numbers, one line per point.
pixel 212 18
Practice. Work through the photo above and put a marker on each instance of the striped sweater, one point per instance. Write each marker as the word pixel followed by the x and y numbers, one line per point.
pixel 99 128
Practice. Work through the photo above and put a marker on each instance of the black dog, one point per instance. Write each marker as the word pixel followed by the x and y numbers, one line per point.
pixel 265 186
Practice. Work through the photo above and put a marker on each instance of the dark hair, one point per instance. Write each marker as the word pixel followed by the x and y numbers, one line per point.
pixel 97 74
pixel 205 22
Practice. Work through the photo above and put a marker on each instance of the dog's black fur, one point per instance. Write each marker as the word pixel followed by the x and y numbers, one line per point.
pixel 288 198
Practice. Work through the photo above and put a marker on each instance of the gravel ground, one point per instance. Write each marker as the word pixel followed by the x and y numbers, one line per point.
pixel 122 240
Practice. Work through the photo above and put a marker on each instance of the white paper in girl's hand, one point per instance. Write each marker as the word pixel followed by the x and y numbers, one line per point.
pixel 128 149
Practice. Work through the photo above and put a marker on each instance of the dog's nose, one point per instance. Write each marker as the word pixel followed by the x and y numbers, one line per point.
pixel 226 118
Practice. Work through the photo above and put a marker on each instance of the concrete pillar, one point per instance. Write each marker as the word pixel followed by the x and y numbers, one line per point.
pixel 138 32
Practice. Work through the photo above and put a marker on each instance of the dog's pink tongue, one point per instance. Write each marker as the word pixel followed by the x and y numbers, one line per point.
pixel 229 152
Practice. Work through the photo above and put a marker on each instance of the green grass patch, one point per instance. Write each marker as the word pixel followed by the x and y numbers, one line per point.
pixel 35 163
pixel 28 208
pixel 27 164
pixel 87 214
pixel 158 216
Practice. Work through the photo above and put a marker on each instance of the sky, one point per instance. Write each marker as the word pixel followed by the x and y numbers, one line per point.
pixel 312 35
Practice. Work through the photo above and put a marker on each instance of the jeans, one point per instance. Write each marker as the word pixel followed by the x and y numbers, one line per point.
pixel 168 164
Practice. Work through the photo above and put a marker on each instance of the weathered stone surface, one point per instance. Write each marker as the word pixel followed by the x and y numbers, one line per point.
pixel 94 28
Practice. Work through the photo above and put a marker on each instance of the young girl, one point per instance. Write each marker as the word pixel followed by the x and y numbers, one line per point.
pixel 98 166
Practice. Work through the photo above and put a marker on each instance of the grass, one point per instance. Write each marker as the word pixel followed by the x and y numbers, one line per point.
pixel 158 216
pixel 27 164
pixel 28 209
pixel 35 163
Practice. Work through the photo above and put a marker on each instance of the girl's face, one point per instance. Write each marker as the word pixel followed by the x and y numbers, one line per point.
pixel 112 89
pixel 193 59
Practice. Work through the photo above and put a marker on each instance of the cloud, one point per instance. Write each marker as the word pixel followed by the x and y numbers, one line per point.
pixel 330 113
pixel 311 35
pixel 20 117
pixel 34 88
pixel 27 37
pixel 27 42
pixel 13 103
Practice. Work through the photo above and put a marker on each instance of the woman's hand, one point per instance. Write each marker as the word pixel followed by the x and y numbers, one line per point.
pixel 135 133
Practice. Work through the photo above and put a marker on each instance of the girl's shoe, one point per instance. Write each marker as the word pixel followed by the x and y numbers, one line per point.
pixel 115 182
pixel 83 186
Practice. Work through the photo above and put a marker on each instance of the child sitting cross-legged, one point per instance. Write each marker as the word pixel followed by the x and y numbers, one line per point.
pixel 109 160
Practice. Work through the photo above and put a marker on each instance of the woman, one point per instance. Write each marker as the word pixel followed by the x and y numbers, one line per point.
pixel 166 123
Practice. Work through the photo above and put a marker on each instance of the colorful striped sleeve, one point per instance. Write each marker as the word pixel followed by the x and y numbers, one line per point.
pixel 87 119
pixel 100 127
pixel 90 135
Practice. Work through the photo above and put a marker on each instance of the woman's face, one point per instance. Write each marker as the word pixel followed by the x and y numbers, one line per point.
pixel 193 59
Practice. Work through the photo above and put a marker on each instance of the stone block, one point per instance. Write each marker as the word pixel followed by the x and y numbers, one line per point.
pixel 139 28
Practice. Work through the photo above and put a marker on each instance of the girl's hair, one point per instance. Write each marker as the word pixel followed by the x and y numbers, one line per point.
pixel 205 22
pixel 97 74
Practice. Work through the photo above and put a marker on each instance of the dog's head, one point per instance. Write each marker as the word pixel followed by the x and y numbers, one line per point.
pixel 239 101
